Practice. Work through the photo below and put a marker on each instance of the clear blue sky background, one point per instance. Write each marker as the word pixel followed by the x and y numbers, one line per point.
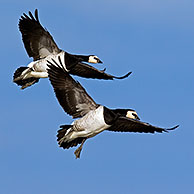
pixel 152 38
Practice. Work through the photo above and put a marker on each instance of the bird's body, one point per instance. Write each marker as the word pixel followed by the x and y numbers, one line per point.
pixel 38 69
pixel 89 125
pixel 92 118
pixel 40 45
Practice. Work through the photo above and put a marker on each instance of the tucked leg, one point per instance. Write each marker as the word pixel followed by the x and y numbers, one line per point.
pixel 79 149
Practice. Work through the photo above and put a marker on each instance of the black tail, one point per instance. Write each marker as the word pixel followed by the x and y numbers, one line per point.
pixel 18 73
pixel 23 82
pixel 65 143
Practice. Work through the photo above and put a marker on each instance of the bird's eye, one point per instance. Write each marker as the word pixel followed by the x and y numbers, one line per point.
pixel 134 115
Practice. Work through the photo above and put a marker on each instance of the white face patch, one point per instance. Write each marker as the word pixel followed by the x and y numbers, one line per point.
pixel 132 114
pixel 93 59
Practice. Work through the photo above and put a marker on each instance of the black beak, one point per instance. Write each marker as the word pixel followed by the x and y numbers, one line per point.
pixel 99 61
pixel 137 118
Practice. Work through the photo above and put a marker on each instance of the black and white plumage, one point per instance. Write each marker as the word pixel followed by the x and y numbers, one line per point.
pixel 40 45
pixel 93 118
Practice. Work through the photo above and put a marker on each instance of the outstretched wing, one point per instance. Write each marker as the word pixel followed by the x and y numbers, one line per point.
pixel 70 94
pixel 37 41
pixel 87 71
pixel 124 124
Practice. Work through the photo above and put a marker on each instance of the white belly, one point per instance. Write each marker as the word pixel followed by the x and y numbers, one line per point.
pixel 41 65
pixel 91 124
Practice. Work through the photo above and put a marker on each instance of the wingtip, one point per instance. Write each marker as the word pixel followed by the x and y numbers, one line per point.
pixel 172 128
pixel 36 14
pixel 125 76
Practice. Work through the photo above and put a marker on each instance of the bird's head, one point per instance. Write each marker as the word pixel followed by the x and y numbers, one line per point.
pixel 132 114
pixel 94 59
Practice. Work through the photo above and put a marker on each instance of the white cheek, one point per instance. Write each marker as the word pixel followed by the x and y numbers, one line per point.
pixel 92 60
pixel 129 115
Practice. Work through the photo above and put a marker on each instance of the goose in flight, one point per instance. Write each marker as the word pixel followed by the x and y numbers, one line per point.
pixel 93 118
pixel 40 45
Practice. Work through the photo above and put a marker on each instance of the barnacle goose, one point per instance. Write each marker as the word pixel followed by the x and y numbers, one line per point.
pixel 40 45
pixel 93 118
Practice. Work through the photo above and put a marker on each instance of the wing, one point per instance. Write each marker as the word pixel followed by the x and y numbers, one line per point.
pixel 37 41
pixel 70 94
pixel 124 124
pixel 87 71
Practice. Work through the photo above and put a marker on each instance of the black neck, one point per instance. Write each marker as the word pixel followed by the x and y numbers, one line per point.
pixel 109 116
pixel 84 58
pixel 72 60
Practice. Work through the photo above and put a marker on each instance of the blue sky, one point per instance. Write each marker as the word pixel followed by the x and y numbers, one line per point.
pixel 155 40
